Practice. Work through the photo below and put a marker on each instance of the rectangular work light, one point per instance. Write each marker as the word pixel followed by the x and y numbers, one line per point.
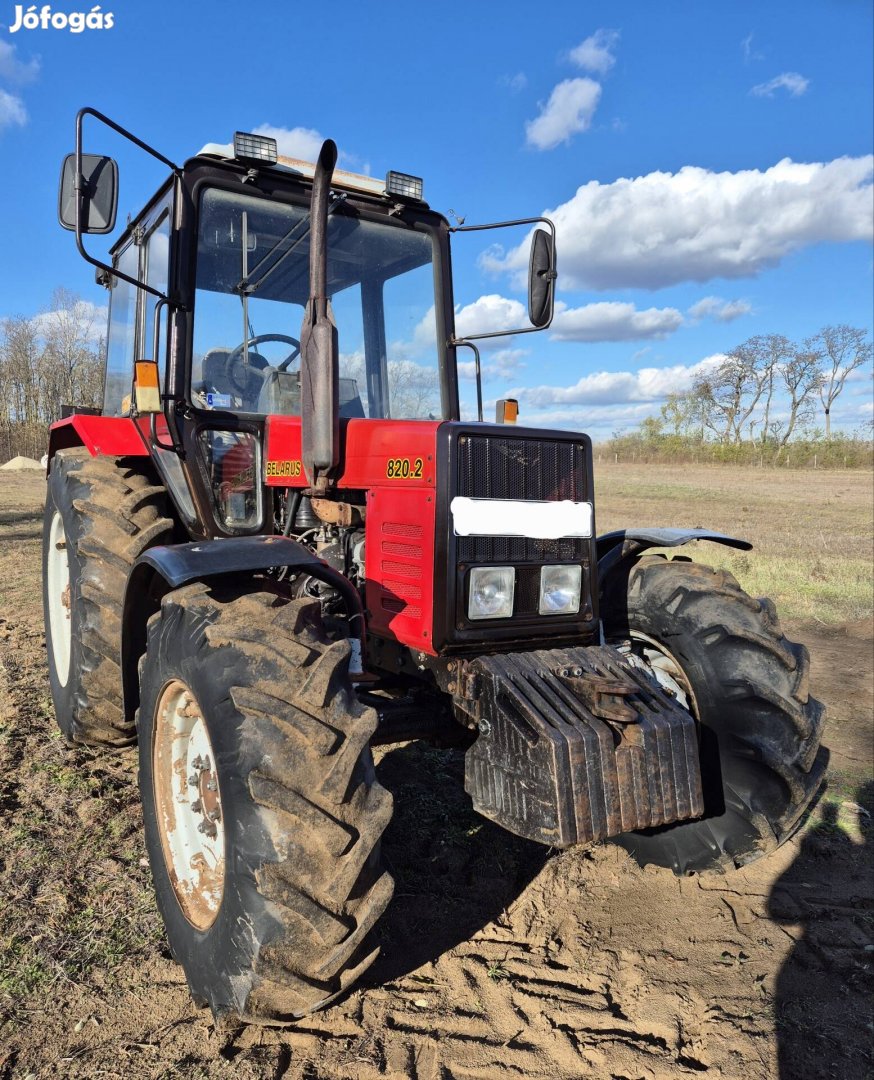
pixel 404 186
pixel 254 148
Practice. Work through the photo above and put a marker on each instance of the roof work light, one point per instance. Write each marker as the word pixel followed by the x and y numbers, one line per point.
pixel 403 185
pixel 249 147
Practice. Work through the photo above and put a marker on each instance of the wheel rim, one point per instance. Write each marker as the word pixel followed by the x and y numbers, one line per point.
pixel 58 591
pixel 663 666
pixel 188 805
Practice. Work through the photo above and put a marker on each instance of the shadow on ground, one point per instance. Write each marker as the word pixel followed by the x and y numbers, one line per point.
pixel 823 900
pixel 454 871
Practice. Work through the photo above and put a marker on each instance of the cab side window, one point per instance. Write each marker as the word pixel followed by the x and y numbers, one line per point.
pixel 122 334
pixel 157 274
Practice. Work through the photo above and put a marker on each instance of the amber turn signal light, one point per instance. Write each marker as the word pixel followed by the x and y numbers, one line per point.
pixel 148 394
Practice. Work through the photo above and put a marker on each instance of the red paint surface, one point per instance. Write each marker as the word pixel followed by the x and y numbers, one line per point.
pixel 366 448
pixel 399 564
pixel 399 525
pixel 108 436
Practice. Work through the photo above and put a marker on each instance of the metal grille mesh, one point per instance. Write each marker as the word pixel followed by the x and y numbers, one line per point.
pixel 537 470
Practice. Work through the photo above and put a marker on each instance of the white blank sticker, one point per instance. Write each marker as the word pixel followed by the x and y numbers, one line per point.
pixel 512 517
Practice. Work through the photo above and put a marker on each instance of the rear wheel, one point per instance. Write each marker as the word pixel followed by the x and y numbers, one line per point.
pixel 723 656
pixel 100 515
pixel 262 812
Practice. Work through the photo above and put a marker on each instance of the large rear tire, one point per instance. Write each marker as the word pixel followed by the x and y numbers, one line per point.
pixel 262 812
pixel 723 653
pixel 100 515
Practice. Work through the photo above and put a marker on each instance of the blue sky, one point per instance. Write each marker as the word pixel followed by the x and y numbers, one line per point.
pixel 709 165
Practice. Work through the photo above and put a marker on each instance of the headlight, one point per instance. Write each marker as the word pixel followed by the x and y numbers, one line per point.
pixel 560 590
pixel 491 592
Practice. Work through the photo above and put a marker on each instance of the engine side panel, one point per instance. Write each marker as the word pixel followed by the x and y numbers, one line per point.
pixel 399 564
pixel 393 463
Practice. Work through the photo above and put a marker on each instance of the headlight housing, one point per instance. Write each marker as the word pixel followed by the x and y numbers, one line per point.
pixel 491 592
pixel 560 589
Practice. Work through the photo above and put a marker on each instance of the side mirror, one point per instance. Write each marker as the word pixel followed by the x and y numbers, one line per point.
pixel 99 197
pixel 541 279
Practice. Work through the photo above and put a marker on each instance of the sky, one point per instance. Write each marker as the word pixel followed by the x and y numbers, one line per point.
pixel 708 165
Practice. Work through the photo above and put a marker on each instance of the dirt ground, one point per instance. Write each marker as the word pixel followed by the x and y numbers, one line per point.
pixel 499 959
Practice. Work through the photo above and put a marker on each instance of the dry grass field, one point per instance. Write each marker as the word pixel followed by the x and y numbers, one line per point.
pixel 500 961
pixel 812 530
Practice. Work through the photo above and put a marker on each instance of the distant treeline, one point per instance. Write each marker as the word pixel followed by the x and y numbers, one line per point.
pixel 47 361
pixel 813 452
pixel 758 405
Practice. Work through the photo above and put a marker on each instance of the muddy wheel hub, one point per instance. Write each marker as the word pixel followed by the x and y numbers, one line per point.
pixel 663 665
pixel 188 805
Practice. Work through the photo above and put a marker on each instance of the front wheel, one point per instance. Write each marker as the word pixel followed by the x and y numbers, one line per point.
pixel 101 514
pixel 723 656
pixel 262 812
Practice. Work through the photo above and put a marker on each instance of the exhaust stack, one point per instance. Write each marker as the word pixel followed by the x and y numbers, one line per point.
pixel 319 370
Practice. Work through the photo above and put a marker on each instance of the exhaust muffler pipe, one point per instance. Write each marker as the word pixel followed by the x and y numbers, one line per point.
pixel 319 359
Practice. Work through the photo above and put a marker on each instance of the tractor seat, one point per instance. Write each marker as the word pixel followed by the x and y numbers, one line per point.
pixel 245 386
pixel 280 396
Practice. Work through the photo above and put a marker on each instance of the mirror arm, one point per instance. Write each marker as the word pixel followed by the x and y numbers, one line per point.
pixel 80 192
pixel 502 225
pixel 505 224
pixel 463 343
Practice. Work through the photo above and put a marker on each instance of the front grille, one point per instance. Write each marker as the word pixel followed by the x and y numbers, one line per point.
pixel 541 470
pixel 535 470
pixel 491 461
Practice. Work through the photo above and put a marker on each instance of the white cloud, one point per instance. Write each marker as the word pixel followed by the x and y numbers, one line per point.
pixel 714 307
pixel 748 51
pixel 569 110
pixel 613 321
pixel 695 225
pixel 488 315
pixel 620 387
pixel 304 144
pixel 514 83
pixel 12 111
pixel 15 70
pixel 603 419
pixel 500 365
pixel 85 318
pixel 596 52
pixel 300 142
pixel 789 80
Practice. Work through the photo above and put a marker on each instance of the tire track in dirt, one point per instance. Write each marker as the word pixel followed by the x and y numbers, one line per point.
pixel 501 963
pixel 17 688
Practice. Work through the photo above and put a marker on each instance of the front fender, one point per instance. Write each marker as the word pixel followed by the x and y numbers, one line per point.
pixel 624 545
pixel 165 567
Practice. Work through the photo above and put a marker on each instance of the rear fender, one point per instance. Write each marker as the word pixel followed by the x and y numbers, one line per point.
pixel 164 568
pixel 102 436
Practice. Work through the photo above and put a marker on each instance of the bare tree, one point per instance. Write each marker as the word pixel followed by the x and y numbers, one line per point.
pixel 730 393
pixel 685 414
pixel 847 350
pixel 775 349
pixel 802 378
pixel 71 362
pixel 47 360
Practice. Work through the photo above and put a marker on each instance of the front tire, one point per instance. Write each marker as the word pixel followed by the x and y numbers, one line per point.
pixel 268 904
pixel 100 515
pixel 723 654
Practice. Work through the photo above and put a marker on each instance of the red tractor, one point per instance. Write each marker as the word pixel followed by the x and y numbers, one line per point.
pixel 278 545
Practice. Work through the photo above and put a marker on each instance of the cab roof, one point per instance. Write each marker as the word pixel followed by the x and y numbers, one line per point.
pixel 369 185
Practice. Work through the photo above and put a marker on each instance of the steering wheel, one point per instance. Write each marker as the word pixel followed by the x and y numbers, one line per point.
pixel 248 369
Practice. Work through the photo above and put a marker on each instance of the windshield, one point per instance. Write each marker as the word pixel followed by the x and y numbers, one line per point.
pixel 252 286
